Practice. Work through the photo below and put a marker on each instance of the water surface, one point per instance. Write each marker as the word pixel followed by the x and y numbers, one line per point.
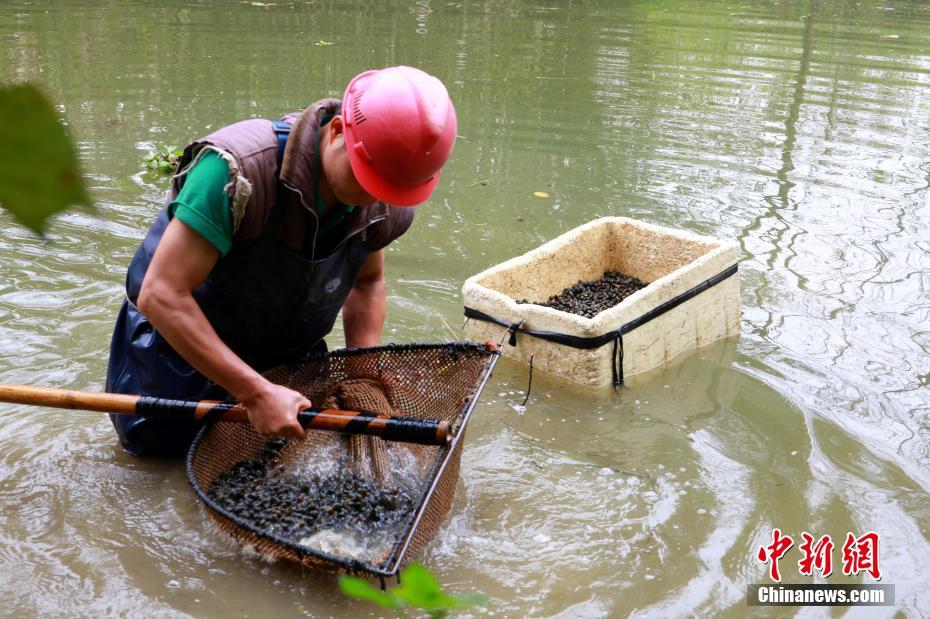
pixel 798 129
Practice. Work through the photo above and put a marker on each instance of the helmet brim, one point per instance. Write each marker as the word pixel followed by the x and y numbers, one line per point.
pixel 384 191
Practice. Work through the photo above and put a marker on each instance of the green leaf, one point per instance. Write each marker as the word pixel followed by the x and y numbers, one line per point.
pixel 362 590
pixel 420 578
pixel 418 587
pixel 39 173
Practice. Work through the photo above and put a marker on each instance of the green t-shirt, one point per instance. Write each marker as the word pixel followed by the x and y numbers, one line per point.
pixel 204 206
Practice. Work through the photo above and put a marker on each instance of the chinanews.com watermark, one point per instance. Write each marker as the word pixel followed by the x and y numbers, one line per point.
pixel 858 555
pixel 821 595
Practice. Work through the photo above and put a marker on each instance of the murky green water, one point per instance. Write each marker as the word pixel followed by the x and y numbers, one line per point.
pixel 798 128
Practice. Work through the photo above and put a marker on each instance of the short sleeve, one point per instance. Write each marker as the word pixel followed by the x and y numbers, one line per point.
pixel 203 204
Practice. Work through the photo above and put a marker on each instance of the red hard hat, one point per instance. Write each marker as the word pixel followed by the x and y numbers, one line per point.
pixel 399 131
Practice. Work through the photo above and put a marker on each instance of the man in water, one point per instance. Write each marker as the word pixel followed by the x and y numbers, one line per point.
pixel 270 229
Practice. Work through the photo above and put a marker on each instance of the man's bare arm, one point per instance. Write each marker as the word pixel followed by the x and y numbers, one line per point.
pixel 181 263
pixel 364 310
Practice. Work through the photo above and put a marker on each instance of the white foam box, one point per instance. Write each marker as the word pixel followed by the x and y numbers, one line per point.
pixel 695 275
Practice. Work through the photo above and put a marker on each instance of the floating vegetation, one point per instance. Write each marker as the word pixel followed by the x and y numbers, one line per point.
pixel 164 159
pixel 591 298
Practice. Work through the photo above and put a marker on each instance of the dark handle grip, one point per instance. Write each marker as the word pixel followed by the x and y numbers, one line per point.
pixel 403 429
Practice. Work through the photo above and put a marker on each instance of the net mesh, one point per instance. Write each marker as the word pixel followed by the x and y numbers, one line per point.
pixel 368 455
pixel 439 382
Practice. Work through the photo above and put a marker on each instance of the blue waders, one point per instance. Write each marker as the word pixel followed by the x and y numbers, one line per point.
pixel 269 304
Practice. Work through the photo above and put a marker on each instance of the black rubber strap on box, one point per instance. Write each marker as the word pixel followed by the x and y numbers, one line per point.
pixel 615 336
pixel 574 341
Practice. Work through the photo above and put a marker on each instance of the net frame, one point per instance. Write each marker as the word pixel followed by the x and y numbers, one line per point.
pixel 437 488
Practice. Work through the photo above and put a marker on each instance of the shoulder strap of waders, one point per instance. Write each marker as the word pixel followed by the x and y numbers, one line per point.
pixel 281 130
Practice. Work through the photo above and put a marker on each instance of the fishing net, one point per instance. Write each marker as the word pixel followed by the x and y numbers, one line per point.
pixel 409 486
